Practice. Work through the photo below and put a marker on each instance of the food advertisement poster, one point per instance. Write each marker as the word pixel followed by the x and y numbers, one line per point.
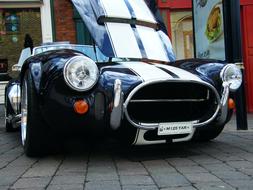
pixel 209 29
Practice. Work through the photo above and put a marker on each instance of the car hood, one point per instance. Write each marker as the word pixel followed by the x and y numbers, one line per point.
pixel 152 72
pixel 125 29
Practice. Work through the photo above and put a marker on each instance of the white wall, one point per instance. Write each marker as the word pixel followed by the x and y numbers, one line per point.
pixel 46 22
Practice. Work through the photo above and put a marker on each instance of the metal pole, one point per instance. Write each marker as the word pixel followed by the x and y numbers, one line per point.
pixel 234 55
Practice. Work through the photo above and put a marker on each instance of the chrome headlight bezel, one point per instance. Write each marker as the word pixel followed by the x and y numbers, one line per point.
pixel 232 75
pixel 76 63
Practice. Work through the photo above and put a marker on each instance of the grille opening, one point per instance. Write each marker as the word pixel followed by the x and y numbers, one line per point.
pixel 172 102
pixel 173 90
pixel 152 136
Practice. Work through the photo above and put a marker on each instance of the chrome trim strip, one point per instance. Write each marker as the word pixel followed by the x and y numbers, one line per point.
pixel 15 97
pixel 151 126
pixel 189 137
pixel 169 100
pixel 224 104
pixel 141 141
pixel 116 114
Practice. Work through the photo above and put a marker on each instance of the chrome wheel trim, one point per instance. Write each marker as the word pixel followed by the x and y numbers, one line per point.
pixel 24 111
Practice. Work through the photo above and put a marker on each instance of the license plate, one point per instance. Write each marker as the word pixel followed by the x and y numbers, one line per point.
pixel 175 128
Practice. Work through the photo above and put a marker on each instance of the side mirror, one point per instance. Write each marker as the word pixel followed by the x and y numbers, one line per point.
pixel 16 67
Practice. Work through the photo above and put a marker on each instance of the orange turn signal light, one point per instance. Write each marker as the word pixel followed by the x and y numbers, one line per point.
pixel 231 103
pixel 81 107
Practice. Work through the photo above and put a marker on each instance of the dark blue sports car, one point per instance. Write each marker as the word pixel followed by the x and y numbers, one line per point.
pixel 128 85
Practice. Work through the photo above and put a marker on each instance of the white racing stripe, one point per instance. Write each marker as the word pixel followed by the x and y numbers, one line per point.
pixel 142 11
pixel 127 45
pixel 152 43
pixel 182 74
pixel 116 8
pixel 120 9
pixel 146 71
pixel 124 46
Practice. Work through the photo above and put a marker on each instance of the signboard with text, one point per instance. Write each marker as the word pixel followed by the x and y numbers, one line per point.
pixel 209 29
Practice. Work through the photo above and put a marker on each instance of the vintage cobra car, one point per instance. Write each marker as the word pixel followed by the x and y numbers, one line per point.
pixel 128 85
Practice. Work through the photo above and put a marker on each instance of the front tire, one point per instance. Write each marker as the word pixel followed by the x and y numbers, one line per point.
pixel 33 131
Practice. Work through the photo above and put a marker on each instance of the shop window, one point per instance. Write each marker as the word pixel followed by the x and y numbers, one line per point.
pixel 14 25
pixel 12 22
pixel 182 34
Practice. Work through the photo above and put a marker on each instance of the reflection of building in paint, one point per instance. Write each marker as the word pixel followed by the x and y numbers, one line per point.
pixel 182 35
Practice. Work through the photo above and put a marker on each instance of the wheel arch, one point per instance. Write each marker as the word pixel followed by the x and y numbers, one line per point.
pixel 35 68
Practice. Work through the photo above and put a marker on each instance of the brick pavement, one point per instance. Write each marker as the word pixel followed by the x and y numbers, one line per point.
pixel 223 164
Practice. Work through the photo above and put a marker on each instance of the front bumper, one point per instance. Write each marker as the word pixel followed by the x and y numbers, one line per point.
pixel 219 116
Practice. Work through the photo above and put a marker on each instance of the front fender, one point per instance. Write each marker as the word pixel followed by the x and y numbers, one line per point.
pixel 46 66
pixel 207 69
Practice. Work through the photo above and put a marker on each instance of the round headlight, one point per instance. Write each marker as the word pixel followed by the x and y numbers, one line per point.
pixel 81 73
pixel 232 75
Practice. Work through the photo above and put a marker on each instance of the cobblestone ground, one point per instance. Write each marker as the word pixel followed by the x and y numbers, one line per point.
pixel 225 163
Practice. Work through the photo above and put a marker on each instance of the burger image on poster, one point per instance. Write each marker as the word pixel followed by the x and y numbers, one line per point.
pixel 214 26
pixel 210 30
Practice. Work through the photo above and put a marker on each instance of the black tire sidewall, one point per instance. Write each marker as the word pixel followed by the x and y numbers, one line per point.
pixel 34 144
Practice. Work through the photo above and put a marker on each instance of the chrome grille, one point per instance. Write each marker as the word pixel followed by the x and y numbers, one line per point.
pixel 172 102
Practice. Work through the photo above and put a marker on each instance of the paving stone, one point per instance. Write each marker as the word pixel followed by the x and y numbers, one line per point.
pixel 205 159
pixel 159 166
pixel 201 177
pixel 32 188
pixel 241 164
pixel 13 171
pixel 4 187
pixel 140 187
pixel 218 167
pixel 181 162
pixel 170 180
pixel 25 183
pixel 66 187
pixel 180 188
pixel 241 184
pixel 23 161
pixel 97 176
pixel 63 180
pixel 131 168
pixel 191 169
pixel 231 175
pixel 213 186
pixel 77 166
pixel 3 163
pixel 228 157
pixel 6 180
pixel 102 169
pixel 44 168
pixel 136 180
pixel 99 185
pixel 247 171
